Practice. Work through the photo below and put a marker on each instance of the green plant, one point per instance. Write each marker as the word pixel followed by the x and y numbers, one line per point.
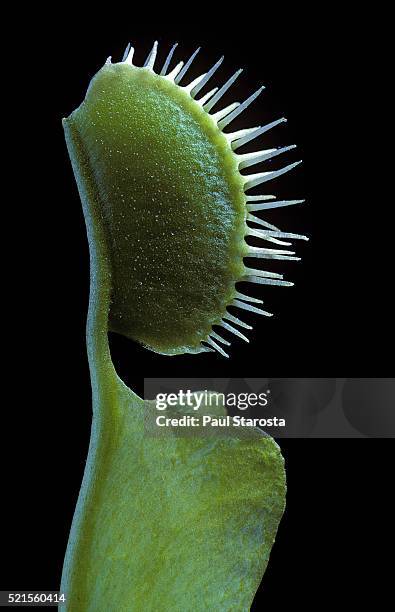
pixel 166 521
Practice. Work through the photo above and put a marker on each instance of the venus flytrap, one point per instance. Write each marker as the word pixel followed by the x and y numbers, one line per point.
pixel 165 521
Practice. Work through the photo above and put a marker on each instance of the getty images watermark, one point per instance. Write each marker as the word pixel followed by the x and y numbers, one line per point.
pixel 210 409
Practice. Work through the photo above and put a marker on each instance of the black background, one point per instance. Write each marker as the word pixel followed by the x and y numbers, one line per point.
pixel 334 322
